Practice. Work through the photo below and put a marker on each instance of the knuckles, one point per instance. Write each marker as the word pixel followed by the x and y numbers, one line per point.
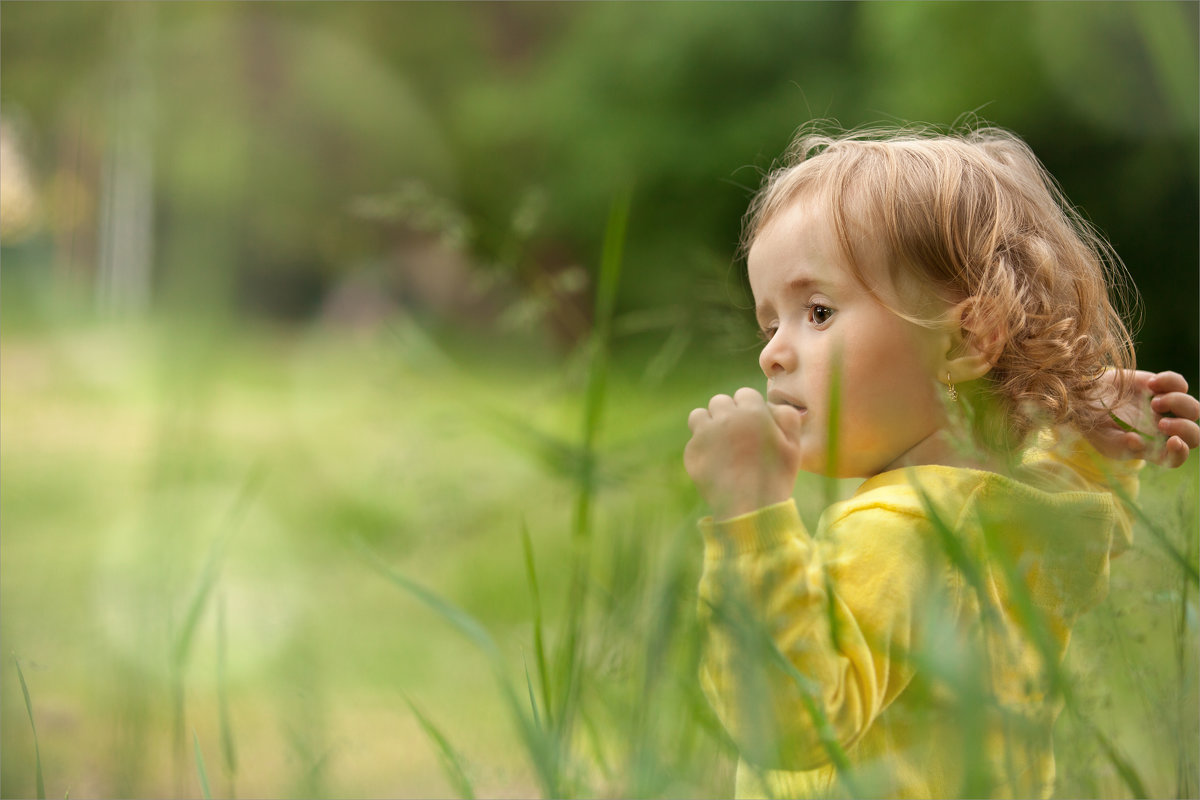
pixel 748 396
pixel 729 427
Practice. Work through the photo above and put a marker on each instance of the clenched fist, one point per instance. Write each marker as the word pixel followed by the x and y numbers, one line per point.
pixel 743 454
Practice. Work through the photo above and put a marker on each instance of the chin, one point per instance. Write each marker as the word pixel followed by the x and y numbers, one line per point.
pixel 819 465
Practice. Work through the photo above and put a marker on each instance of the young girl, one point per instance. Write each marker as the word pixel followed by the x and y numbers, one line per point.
pixel 937 321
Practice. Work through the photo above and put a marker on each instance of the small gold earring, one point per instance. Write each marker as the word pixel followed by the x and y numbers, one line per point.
pixel 950 390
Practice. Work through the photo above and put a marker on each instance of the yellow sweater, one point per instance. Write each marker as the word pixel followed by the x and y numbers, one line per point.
pixel 916 638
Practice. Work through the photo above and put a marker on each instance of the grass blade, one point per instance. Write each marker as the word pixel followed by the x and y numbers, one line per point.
pixel 832 429
pixel 533 704
pixel 825 732
pixel 211 571
pixel 545 759
pixel 557 456
pixel 606 300
pixel 466 624
pixel 1125 426
pixel 37 752
pixel 200 770
pixel 182 645
pixel 451 762
pixel 228 749
pixel 830 481
pixel 1119 762
pixel 1190 571
pixel 572 647
pixel 539 644
pixel 736 616
pixel 598 344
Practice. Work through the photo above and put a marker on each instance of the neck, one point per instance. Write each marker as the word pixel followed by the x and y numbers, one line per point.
pixel 939 448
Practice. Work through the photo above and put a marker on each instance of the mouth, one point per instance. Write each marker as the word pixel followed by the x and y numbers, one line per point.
pixel 776 398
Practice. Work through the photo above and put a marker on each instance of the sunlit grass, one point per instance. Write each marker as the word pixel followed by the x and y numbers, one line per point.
pixel 295 660
pixel 118 472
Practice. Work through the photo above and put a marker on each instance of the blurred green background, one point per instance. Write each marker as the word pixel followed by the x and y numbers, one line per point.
pixel 279 278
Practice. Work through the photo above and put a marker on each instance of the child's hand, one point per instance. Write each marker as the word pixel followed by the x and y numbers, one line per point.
pixel 743 454
pixel 1170 412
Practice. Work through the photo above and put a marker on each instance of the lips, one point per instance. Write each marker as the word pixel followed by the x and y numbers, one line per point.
pixel 780 399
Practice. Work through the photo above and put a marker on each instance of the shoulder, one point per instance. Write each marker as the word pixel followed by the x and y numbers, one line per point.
pixel 916 503
pixel 911 495
pixel 898 518
pixel 1064 459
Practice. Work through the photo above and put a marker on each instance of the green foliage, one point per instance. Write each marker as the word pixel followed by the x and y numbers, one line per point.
pixel 295 148
pixel 315 690
pixel 270 129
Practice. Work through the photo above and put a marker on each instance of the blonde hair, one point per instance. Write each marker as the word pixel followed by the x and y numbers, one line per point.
pixel 974 214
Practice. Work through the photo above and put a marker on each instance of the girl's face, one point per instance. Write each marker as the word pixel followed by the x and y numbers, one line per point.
pixel 819 320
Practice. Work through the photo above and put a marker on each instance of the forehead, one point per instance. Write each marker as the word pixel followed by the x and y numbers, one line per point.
pixel 799 244
pixel 806 246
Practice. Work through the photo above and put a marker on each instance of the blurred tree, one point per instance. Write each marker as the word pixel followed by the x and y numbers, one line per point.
pixel 275 141
pixel 259 132
pixel 520 121
pixel 697 99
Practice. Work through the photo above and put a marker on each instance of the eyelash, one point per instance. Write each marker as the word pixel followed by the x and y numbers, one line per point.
pixel 810 312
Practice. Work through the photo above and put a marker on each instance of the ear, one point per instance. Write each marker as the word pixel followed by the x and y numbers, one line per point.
pixel 975 342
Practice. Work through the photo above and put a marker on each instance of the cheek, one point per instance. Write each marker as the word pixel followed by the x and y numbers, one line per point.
pixel 891 376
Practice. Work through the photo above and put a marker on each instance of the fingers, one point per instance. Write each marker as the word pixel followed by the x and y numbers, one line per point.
pixel 722 404
pixel 1164 382
pixel 748 397
pixel 717 405
pixel 1185 430
pixel 1178 413
pixel 1176 404
pixel 1176 452
pixel 1118 444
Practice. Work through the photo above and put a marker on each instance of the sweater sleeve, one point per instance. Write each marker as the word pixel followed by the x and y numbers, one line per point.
pixel 806 638
pixel 1068 459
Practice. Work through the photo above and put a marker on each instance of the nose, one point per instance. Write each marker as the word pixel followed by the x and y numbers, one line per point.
pixel 778 357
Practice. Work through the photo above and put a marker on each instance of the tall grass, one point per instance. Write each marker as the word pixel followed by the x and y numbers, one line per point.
pixel 597 675
pixel 577 748
pixel 563 686
pixel 549 726
pixel 602 715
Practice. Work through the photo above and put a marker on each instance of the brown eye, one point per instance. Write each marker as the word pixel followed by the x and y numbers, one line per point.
pixel 766 334
pixel 820 314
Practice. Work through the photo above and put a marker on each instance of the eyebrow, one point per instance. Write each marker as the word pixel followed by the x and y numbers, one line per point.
pixel 802 282
pixel 799 284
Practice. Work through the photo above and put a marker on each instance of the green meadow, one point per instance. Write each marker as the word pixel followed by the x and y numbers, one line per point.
pixel 254 562
pixel 346 352
pixel 193 531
